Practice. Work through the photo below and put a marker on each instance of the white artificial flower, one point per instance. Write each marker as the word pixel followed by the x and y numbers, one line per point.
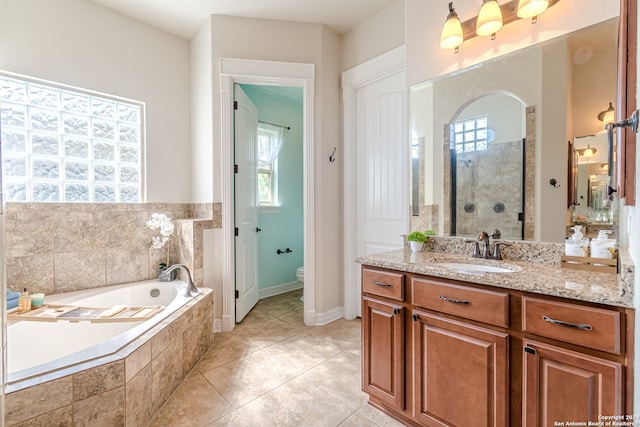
pixel 164 223
pixel 166 228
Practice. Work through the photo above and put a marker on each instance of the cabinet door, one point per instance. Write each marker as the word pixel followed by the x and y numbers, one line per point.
pixel 562 385
pixel 383 351
pixel 460 373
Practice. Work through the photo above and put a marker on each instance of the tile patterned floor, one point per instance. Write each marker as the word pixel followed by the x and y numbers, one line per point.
pixel 272 370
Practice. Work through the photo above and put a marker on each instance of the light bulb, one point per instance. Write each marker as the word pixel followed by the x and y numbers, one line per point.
pixel 531 8
pixel 490 18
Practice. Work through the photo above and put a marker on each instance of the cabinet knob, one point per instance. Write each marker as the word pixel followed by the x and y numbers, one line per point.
pixel 396 311
pixel 415 317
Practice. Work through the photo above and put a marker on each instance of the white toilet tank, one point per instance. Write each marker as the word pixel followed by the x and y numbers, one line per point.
pixel 300 274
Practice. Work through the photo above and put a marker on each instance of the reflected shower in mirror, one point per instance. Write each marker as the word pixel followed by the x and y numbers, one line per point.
pixel 487 173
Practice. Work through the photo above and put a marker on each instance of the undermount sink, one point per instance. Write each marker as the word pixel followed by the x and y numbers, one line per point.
pixel 465 267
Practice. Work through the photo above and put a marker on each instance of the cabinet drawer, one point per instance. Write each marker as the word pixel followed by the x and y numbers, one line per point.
pixel 383 283
pixel 590 327
pixel 476 304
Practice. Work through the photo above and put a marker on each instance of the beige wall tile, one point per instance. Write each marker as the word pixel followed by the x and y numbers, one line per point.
pixel 32 272
pixel 138 401
pixel 124 228
pixel 79 270
pixel 78 231
pixel 38 400
pixel 167 374
pixel 137 360
pixel 98 380
pixel 28 233
pixel 102 410
pixel 62 417
pixel 127 264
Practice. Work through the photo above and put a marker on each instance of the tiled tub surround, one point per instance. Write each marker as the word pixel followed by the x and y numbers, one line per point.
pixel 123 389
pixel 62 247
pixel 538 266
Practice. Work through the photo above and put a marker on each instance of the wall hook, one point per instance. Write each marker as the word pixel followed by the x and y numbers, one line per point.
pixel 332 157
pixel 554 183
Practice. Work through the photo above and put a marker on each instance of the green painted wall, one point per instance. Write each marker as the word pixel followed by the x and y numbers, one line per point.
pixel 282 106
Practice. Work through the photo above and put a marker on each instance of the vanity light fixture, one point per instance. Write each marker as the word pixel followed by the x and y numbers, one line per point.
pixel 607 116
pixel 532 8
pixel 586 152
pixel 451 36
pixel 491 18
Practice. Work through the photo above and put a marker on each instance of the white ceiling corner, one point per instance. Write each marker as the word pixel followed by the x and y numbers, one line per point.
pixel 184 17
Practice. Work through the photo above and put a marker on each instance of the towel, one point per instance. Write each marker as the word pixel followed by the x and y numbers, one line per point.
pixel 12 295
pixel 12 303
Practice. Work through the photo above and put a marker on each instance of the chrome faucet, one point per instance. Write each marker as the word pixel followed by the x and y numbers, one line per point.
pixel 483 238
pixel 191 287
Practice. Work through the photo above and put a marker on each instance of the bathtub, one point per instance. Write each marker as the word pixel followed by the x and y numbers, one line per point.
pixel 118 373
pixel 39 347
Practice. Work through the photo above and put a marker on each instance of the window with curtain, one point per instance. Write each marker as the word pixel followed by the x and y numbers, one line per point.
pixel 270 141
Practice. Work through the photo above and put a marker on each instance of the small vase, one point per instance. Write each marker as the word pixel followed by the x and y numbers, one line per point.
pixel 166 277
pixel 416 246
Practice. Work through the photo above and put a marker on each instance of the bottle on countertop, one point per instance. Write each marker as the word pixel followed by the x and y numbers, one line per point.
pixel 24 301
pixel 577 245
pixel 602 246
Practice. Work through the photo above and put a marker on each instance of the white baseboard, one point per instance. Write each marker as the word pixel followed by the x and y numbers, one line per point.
pixel 279 289
pixel 329 316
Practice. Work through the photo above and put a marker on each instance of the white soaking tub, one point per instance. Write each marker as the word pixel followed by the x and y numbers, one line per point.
pixel 39 347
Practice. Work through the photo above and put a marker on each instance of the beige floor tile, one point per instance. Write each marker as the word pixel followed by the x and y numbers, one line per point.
pixel 225 351
pixel 272 370
pixel 297 403
pixel 195 403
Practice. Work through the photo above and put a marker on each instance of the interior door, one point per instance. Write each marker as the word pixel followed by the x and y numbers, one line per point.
pixel 246 212
pixel 382 166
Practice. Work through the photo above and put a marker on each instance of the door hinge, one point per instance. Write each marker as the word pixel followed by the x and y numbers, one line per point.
pixel 236 231
pixel 237 294
pixel 235 105
pixel 235 168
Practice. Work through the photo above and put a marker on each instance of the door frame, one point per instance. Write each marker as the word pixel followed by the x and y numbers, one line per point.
pixel 353 79
pixel 268 73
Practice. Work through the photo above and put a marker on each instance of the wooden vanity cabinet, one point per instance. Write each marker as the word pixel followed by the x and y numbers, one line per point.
pixel 439 352
pixel 460 373
pixel 383 373
pixel 563 385
pixel 383 337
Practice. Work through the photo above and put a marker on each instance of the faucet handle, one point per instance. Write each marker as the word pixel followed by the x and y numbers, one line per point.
pixel 483 235
pixel 496 234
pixel 496 249
pixel 476 248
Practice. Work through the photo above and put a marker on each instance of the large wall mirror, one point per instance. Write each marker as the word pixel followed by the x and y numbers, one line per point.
pixel 488 141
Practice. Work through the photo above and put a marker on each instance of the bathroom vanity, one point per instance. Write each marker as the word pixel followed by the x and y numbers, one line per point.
pixel 455 341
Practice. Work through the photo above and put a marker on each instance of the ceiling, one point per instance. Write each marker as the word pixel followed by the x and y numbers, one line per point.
pixel 184 17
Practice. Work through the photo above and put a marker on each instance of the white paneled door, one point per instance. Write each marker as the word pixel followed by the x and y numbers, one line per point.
pixel 246 212
pixel 382 149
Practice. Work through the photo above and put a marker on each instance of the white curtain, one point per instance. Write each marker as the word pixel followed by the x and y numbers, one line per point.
pixel 270 141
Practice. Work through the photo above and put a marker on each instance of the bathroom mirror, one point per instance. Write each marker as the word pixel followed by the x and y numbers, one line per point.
pixel 560 87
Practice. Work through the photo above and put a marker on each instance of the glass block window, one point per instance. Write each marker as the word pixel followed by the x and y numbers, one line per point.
pixel 471 135
pixel 65 145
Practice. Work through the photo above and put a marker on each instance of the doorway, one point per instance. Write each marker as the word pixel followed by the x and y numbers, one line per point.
pixel 268 192
pixel 267 73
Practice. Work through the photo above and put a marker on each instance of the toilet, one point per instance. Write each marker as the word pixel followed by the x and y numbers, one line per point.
pixel 300 277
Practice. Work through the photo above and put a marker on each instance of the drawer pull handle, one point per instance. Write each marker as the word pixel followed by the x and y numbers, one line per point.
pixel 382 285
pixel 396 311
pixel 454 301
pixel 582 326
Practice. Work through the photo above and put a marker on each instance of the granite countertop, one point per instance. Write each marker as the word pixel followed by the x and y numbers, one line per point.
pixel 539 278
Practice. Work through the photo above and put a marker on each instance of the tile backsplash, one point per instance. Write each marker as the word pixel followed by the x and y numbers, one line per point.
pixel 62 247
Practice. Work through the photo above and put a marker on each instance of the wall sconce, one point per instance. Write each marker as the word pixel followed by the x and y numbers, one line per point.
pixel 604 166
pixel 586 152
pixel 607 116
pixel 491 18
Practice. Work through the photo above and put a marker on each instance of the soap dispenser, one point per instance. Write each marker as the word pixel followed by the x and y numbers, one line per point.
pixel 577 245
pixel 24 301
pixel 602 246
